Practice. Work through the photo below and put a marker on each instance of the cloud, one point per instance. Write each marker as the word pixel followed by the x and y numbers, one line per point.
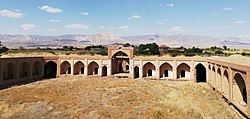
pixel 85 13
pixel 101 27
pixel 53 30
pixel 55 20
pixel 27 26
pixel 160 23
pixel 11 14
pixel 227 8
pixel 134 17
pixel 214 14
pixel 76 26
pixel 219 27
pixel 239 22
pixel 124 28
pixel 170 5
pixel 177 29
pixel 50 9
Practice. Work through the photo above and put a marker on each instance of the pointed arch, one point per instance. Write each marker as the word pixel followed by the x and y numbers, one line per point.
pixel 78 68
pixel 149 69
pixel 104 70
pixel 24 70
pixel 93 68
pixel 183 71
pixel 225 84
pixel 65 68
pixel 37 68
pixel 50 69
pixel 239 89
pixel 166 70
pixel 9 71
pixel 200 73
pixel 136 72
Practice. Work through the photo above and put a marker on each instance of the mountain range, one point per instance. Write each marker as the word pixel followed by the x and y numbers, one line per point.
pixel 81 40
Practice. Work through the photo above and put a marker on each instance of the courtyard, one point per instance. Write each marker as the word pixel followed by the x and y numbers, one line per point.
pixel 97 97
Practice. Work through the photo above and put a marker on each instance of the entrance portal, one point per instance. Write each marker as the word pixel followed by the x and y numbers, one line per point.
pixel 200 73
pixel 50 70
pixel 120 63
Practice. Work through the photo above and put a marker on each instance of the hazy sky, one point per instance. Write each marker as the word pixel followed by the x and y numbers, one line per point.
pixel 125 17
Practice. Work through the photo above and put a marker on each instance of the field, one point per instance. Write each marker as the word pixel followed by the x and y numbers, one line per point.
pixel 97 98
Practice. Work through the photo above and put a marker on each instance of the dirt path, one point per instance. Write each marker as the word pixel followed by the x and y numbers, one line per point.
pixel 107 98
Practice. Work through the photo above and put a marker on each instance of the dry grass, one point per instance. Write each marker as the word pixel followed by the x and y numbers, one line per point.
pixel 97 98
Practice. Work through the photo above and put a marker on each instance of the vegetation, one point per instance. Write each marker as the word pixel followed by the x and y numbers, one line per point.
pixel 3 49
pixel 142 49
pixel 91 97
pixel 148 49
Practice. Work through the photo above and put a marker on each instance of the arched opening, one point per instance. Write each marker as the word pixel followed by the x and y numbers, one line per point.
pixel 65 68
pixel 96 71
pixel 127 67
pixel 136 72
pixel 50 69
pixel 69 70
pixel 148 70
pixel 166 71
pixel 93 68
pixel 200 73
pixel 120 63
pixel 120 67
pixel 24 70
pixel 9 71
pixel 225 84
pixel 104 71
pixel 239 89
pixel 82 70
pixel 37 68
pixel 78 68
pixel 183 71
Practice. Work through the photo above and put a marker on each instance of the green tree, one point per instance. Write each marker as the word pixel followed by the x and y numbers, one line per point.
pixel 3 49
pixel 225 47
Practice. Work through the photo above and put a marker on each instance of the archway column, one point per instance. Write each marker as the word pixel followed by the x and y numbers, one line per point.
pixel 1 73
pixel 248 90
pixel 86 70
pixel 192 74
pixel 30 70
pixel 17 70
pixel 72 67
pixel 131 67
pixel 215 75
pixel 109 68
pixel 157 70
pixel 175 70
pixel 230 77
pixel 42 71
pixel 208 72
pixel 222 78
pixel 141 69
pixel 58 72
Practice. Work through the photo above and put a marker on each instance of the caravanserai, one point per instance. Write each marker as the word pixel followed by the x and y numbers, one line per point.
pixel 228 76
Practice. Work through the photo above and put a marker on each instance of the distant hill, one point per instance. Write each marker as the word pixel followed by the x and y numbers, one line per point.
pixel 80 40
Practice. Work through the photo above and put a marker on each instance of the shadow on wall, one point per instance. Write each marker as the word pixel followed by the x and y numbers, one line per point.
pixel 19 71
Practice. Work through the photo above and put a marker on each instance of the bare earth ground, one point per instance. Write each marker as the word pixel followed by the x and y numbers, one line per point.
pixel 100 98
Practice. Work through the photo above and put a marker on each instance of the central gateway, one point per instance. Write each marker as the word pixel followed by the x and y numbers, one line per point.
pixel 120 59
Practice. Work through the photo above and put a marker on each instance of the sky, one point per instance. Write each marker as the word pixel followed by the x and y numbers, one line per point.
pixel 126 17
